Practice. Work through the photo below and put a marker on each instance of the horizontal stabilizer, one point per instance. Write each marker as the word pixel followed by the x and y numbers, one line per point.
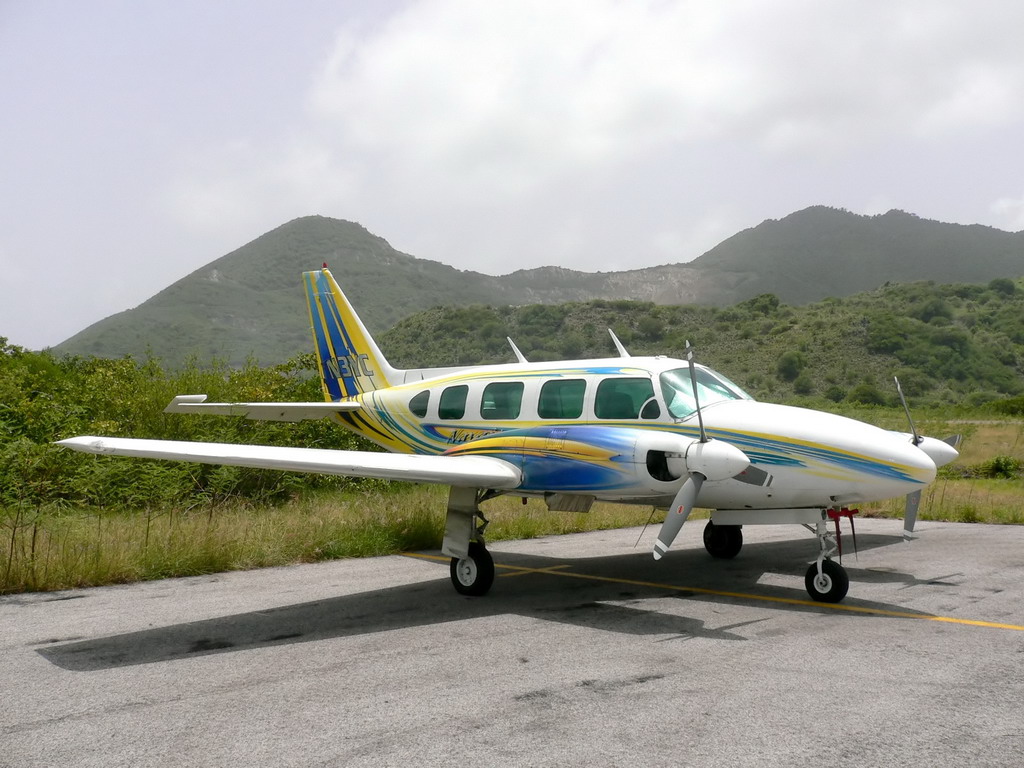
pixel 461 471
pixel 259 411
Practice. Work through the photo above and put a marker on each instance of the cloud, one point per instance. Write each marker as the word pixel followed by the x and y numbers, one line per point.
pixel 478 132
pixel 1009 211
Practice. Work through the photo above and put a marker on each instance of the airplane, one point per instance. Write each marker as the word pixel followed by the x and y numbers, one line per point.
pixel 654 430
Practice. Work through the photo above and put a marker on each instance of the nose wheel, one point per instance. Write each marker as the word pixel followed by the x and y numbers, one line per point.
pixel 827 582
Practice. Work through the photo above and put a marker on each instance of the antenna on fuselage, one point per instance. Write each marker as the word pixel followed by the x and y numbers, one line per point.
pixel 618 344
pixel 519 355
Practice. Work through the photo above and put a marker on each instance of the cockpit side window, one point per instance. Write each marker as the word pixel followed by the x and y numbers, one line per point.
pixel 419 402
pixel 622 398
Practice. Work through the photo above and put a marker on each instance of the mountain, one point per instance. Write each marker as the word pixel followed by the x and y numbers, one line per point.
pixel 820 252
pixel 249 303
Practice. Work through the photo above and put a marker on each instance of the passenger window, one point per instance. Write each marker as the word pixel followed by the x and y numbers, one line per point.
pixel 418 404
pixel 453 402
pixel 623 398
pixel 562 399
pixel 502 400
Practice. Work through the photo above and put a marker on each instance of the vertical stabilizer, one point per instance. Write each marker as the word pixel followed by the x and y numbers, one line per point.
pixel 349 360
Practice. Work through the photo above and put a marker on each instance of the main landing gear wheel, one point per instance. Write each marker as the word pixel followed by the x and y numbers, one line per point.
pixel 473 575
pixel 831 585
pixel 723 541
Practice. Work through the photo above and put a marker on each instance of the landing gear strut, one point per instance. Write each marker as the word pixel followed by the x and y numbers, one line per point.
pixel 472 568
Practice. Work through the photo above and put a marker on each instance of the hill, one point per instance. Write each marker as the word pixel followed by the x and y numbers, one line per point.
pixel 820 252
pixel 249 303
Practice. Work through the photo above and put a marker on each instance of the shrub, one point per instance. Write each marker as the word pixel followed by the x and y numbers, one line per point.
pixel 999 466
pixel 803 384
pixel 790 365
pixel 866 393
pixel 1012 406
pixel 1003 286
pixel 835 393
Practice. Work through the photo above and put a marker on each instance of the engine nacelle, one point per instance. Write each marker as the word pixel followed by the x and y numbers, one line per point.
pixel 669 457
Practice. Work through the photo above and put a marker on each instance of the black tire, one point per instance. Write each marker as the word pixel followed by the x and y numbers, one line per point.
pixel 833 584
pixel 723 541
pixel 473 575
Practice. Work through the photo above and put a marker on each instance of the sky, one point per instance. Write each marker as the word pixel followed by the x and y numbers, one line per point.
pixel 142 139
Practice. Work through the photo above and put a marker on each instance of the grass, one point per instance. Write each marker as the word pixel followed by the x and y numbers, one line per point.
pixel 49 549
pixel 953 500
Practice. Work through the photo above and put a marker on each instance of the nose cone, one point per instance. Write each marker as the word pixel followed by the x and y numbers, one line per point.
pixel 716 460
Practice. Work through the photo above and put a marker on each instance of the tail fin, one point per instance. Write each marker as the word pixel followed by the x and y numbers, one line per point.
pixel 349 360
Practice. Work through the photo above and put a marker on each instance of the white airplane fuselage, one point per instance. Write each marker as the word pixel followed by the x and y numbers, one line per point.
pixel 798 457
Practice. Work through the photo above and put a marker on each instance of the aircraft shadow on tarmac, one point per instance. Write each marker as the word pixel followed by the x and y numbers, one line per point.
pixel 603 593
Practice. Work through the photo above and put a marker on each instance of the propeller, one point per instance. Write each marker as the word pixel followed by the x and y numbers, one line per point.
pixel 682 506
pixel 705 460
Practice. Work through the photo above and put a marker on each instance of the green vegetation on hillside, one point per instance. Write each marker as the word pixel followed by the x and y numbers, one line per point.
pixel 948 344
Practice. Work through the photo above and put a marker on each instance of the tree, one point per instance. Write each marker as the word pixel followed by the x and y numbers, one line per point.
pixel 866 393
pixel 790 365
pixel 1003 285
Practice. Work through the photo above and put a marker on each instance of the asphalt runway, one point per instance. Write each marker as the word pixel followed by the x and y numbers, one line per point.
pixel 585 653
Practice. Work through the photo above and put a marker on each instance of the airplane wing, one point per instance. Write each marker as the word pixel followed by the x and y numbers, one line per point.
pixel 259 411
pixel 461 471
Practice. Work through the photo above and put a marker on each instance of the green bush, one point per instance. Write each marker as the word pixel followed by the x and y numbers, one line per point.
pixel 999 466
pixel 866 393
pixel 45 399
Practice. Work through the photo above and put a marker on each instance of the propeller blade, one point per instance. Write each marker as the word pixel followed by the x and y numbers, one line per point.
pixel 693 385
pixel 682 506
pixel 910 516
pixel 906 409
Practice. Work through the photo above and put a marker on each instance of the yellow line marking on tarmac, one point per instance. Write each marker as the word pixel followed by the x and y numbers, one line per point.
pixel 525 571
pixel 559 570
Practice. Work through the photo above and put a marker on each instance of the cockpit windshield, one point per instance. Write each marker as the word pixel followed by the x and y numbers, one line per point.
pixel 712 387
